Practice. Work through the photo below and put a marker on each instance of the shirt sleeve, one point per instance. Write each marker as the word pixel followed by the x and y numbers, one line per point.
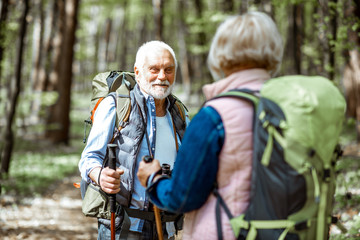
pixel 100 135
pixel 196 165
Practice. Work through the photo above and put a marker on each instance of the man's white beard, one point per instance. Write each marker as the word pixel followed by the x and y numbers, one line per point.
pixel 156 92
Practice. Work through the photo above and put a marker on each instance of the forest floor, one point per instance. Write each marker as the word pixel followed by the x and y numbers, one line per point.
pixel 56 215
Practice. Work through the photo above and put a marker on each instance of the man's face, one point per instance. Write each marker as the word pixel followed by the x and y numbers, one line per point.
pixel 158 74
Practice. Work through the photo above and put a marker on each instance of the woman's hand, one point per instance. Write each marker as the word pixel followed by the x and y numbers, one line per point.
pixel 146 169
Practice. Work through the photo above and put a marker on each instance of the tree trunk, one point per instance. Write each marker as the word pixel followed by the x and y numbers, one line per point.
pixel 108 27
pixel 52 48
pixel 3 26
pixel 38 37
pixel 298 35
pixel 333 30
pixel 158 6
pixel 143 30
pixel 3 19
pixel 323 38
pixel 123 39
pixel 59 120
pixel 292 58
pixel 37 70
pixel 97 40
pixel 184 64
pixel 243 6
pixel 227 5
pixel 101 53
pixel 351 79
pixel 309 61
pixel 15 91
pixel 201 69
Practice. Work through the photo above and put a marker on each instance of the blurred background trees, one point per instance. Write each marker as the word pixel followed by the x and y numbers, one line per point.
pixel 51 49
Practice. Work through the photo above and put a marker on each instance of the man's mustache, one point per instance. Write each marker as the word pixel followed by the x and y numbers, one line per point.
pixel 159 82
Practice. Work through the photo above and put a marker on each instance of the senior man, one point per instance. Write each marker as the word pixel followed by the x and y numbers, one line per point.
pixel 156 126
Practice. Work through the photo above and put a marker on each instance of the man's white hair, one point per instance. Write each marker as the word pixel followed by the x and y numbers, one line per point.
pixel 152 46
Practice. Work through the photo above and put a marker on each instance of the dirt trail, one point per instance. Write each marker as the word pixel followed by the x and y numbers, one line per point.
pixel 57 215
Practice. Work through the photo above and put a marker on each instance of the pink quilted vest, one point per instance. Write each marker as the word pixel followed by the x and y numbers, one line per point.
pixel 235 158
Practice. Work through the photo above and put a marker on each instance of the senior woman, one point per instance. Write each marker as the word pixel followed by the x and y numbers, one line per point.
pixel 217 147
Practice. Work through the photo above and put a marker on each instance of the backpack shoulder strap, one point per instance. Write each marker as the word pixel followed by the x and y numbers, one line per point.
pixel 181 107
pixel 220 203
pixel 123 109
pixel 244 93
pixel 120 90
pixel 253 98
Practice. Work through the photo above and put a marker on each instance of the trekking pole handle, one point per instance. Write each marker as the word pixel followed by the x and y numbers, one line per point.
pixel 112 165
pixel 148 159
pixel 112 155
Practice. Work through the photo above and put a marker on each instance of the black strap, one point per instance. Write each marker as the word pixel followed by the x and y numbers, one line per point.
pixel 146 133
pixel 223 204
pixel 165 216
pixel 220 203
pixel 218 220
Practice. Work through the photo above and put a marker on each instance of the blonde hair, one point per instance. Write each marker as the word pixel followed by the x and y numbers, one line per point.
pixel 251 39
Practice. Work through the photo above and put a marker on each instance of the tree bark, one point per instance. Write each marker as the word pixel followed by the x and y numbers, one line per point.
pixel 123 36
pixel 37 69
pixel 158 6
pixel 292 58
pixel 227 5
pixel 351 78
pixel 184 64
pixel 108 27
pixel 3 26
pixel 3 19
pixel 38 43
pixel 15 91
pixel 333 30
pixel 243 6
pixel 323 38
pixel 53 46
pixel 298 35
pixel 59 120
pixel 200 61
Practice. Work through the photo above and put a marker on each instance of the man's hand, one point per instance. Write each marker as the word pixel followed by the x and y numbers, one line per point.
pixel 110 180
pixel 146 169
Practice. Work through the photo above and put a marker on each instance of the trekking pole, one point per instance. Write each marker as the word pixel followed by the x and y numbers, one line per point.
pixel 149 159
pixel 112 165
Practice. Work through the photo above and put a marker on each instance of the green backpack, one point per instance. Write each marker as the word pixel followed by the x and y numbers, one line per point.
pixel 112 82
pixel 297 123
pixel 117 84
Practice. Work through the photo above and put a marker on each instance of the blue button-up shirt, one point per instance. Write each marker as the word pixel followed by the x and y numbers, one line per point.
pixel 102 132
pixel 196 166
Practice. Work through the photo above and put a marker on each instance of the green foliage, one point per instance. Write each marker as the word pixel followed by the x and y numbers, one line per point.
pixel 347 195
pixel 348 134
pixel 36 164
